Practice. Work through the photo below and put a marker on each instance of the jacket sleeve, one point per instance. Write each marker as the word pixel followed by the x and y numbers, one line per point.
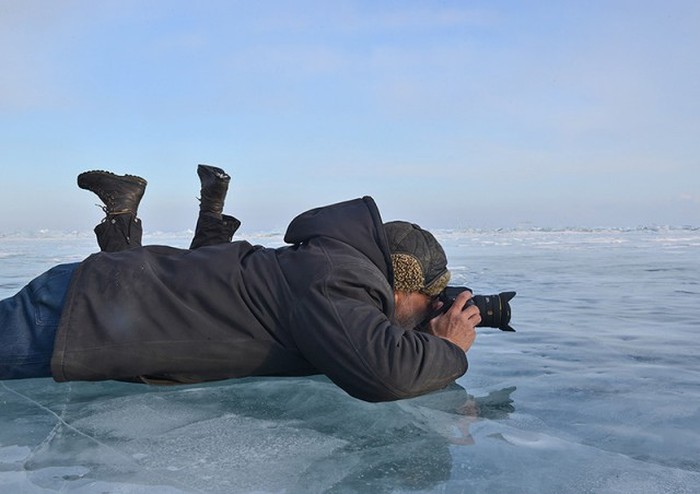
pixel 341 329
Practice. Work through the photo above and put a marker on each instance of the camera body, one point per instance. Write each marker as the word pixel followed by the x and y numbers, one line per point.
pixel 495 309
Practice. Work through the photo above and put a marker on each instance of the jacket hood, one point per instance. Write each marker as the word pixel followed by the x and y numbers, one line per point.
pixel 356 222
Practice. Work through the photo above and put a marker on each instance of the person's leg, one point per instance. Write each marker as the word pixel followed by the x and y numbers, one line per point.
pixel 213 227
pixel 213 230
pixel 28 323
pixel 119 232
pixel 121 229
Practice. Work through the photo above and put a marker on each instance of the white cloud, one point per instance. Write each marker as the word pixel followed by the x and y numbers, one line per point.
pixel 362 17
pixel 693 198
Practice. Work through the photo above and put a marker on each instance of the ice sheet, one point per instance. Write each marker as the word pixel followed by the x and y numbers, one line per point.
pixel 598 391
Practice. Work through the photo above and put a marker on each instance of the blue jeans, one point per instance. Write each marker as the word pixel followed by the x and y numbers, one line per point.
pixel 28 323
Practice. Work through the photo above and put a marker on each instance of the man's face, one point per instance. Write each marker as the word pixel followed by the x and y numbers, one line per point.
pixel 411 308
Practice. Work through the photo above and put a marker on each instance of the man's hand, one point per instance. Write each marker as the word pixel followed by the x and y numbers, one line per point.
pixel 457 324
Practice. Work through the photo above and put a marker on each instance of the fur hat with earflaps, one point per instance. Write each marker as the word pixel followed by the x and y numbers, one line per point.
pixel 419 262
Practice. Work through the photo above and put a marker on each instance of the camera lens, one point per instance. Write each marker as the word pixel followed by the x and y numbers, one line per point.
pixel 495 309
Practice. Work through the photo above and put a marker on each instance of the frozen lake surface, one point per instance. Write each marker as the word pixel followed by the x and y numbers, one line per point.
pixel 597 391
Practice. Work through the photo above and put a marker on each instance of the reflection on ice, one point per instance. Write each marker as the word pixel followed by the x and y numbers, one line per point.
pixel 269 435
pixel 530 440
pixel 291 435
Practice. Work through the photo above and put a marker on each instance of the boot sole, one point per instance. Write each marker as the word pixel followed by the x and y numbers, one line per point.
pixel 84 178
pixel 207 170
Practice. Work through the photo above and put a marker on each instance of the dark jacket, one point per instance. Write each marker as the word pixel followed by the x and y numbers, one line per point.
pixel 321 305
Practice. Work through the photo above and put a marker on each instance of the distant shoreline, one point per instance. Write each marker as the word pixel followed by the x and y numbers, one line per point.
pixel 58 234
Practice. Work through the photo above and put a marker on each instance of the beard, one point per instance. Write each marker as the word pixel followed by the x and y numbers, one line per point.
pixel 409 319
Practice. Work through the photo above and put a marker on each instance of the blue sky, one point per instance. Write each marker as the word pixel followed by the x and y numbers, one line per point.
pixel 451 114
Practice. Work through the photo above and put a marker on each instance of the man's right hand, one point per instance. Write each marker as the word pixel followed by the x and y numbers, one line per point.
pixel 458 324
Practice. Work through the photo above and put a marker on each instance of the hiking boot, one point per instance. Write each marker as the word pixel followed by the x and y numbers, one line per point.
pixel 120 194
pixel 214 187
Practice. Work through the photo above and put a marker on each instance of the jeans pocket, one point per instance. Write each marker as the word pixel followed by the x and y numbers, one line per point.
pixel 49 293
pixel 45 311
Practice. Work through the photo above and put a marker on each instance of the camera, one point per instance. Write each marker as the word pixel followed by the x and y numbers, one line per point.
pixel 494 309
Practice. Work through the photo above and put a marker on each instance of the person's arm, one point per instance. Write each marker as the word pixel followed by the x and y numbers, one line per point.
pixel 341 329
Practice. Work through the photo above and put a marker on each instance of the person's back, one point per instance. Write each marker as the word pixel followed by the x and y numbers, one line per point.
pixel 229 310
pixel 172 314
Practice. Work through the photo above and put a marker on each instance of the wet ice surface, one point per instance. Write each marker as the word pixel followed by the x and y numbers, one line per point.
pixel 598 391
